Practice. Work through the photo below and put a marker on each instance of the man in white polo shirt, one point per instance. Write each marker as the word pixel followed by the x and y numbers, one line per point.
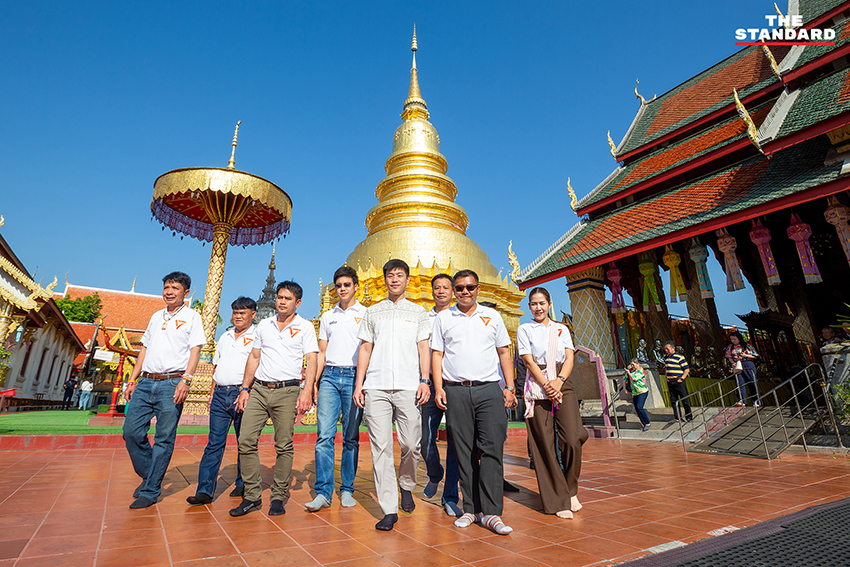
pixel 159 383
pixel 338 348
pixel 270 389
pixel 231 354
pixel 469 344
pixel 392 379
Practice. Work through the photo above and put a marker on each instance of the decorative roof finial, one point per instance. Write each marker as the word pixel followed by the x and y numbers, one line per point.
pixel 612 145
pixel 752 131
pixel 514 263
pixel 271 264
pixel 787 26
pixel 133 287
pixel 573 199
pixel 637 94
pixel 232 163
pixel 414 106
pixel 774 67
pixel 2 220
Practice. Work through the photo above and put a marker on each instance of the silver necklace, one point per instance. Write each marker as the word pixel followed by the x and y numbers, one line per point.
pixel 166 318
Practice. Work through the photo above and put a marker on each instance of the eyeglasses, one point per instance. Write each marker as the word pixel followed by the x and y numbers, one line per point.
pixel 469 288
pixel 343 285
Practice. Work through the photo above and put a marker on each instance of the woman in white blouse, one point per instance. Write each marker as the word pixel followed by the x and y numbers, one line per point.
pixel 536 340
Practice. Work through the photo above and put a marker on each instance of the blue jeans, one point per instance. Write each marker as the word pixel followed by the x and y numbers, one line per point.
pixel 152 398
pixel 639 400
pixel 431 418
pixel 222 414
pixel 748 376
pixel 335 397
pixel 85 398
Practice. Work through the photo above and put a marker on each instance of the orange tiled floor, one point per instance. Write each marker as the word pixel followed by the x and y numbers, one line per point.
pixel 70 507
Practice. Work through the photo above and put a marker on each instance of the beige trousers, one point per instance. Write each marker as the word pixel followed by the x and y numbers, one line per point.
pixel 382 407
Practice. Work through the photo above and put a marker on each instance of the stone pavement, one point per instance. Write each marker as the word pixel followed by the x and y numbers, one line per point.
pixel 69 507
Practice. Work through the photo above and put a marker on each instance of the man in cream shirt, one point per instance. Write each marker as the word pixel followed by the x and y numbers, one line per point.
pixel 392 379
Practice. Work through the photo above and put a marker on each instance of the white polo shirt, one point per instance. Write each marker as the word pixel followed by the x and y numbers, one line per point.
pixel 469 342
pixel 168 349
pixel 282 352
pixel 533 338
pixel 394 329
pixel 340 328
pixel 231 354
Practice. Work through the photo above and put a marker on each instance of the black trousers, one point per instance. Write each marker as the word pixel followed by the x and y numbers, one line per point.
pixel 477 422
pixel 679 390
pixel 68 399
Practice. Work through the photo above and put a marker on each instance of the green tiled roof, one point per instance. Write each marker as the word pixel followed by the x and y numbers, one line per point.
pixel 811 9
pixel 735 188
pixel 674 157
pixel 817 102
pixel 718 92
pixel 812 52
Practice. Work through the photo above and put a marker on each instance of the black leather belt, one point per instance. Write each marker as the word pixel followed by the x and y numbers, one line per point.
pixel 163 376
pixel 278 384
pixel 467 383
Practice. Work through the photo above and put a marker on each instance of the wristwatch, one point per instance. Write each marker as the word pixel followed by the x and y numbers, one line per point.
pixel 244 389
pixel 186 381
pixel 510 388
pixel 424 381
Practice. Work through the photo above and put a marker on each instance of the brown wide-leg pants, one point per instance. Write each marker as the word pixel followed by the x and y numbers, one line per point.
pixel 557 486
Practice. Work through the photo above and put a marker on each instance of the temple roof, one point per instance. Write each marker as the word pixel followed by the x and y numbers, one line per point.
pixel 748 70
pixel 120 308
pixel 637 173
pixel 817 103
pixel 811 9
pixel 738 192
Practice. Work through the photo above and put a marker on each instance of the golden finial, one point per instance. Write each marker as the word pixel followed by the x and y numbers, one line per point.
pixel 414 106
pixel 512 260
pixel 779 12
pixel 613 147
pixel 573 199
pixel 2 220
pixel 67 283
pixel 752 131
pixel 271 264
pixel 637 94
pixel 773 65
pixel 133 287
pixel 232 163
pixel 49 288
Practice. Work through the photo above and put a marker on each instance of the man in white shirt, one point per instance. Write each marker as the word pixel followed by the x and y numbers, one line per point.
pixel 270 389
pixel 338 348
pixel 85 393
pixel 159 383
pixel 469 344
pixel 432 416
pixel 392 379
pixel 231 354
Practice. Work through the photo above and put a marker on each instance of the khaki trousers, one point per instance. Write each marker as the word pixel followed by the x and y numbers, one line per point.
pixel 382 407
pixel 557 485
pixel 279 405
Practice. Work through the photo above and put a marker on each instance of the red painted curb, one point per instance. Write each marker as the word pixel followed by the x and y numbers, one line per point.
pixel 116 441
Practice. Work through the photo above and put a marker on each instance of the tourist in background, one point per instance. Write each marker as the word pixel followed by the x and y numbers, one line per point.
pixel 231 354
pixel 70 386
pixel 469 346
pixel 171 349
pixel 337 366
pixel 547 349
pixel 739 351
pixel 392 381
pixel 432 416
pixel 639 390
pixel 676 371
pixel 85 393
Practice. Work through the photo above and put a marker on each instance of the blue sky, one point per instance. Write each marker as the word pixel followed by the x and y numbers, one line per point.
pixel 100 99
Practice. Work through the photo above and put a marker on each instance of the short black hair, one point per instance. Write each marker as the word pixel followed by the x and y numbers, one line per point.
pixel 465 274
pixel 179 277
pixel 243 302
pixel 671 343
pixel 346 272
pixel 396 263
pixel 291 286
pixel 440 277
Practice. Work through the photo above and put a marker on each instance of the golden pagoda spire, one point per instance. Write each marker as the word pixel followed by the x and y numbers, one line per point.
pixel 414 106
pixel 271 264
pixel 232 163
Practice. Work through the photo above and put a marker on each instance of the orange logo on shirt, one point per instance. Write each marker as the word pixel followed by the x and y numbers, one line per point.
pixel 246 341
pixel 485 319
pixel 293 331
pixel 178 324
pixel 560 331
pixel 358 319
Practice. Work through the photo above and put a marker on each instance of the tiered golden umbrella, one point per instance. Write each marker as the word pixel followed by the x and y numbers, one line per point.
pixel 224 206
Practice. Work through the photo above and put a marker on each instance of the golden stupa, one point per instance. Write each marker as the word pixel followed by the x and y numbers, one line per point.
pixel 417 220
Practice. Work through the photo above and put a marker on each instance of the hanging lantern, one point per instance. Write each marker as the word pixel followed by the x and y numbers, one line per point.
pixel 727 244
pixel 800 233
pixel 699 256
pixel 837 215
pixel 648 270
pixel 614 275
pixel 672 259
pixel 760 236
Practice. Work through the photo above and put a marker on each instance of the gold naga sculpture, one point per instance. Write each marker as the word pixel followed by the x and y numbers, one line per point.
pixel 612 145
pixel 752 131
pixel 573 199
pixel 512 260
pixel 637 94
